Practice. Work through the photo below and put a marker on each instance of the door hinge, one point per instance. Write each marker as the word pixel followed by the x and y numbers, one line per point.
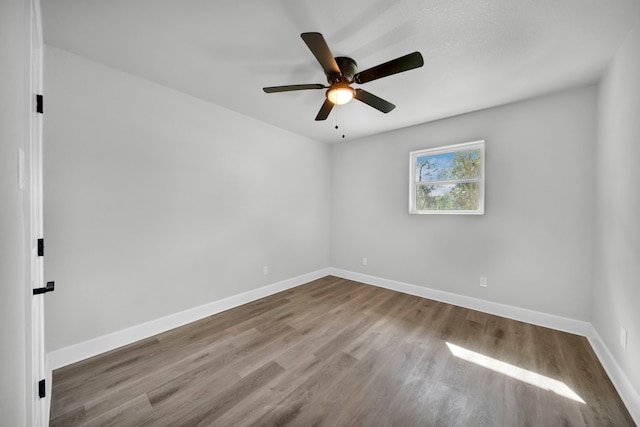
pixel 40 247
pixel 42 389
pixel 49 288
pixel 39 104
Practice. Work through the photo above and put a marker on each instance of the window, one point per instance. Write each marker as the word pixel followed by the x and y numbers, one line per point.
pixel 448 180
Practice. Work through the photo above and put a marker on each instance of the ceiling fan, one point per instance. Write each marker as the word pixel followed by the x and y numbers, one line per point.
pixel 342 72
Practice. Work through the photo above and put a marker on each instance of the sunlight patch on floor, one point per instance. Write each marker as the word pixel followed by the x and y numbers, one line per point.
pixel 541 381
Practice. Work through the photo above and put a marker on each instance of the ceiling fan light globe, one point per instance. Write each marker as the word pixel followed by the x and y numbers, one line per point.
pixel 340 95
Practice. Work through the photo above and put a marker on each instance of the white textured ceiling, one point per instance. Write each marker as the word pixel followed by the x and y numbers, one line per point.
pixel 477 53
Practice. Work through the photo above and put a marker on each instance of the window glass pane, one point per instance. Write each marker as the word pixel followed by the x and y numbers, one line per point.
pixel 449 197
pixel 452 165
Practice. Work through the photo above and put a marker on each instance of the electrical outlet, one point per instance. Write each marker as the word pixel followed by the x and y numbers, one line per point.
pixel 623 338
pixel 483 282
pixel 265 270
pixel 364 261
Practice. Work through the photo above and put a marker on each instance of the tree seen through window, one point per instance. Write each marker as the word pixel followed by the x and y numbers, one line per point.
pixel 448 180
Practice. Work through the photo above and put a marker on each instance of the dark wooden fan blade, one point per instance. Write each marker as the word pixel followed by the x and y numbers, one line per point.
pixel 318 46
pixel 324 110
pixel 398 65
pixel 288 88
pixel 374 101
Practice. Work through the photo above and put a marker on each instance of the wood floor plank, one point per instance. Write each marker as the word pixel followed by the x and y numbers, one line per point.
pixel 288 410
pixel 123 415
pixel 263 404
pixel 335 352
pixel 231 396
pixel 374 401
pixel 167 370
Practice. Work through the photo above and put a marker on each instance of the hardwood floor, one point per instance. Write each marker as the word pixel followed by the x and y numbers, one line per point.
pixel 339 353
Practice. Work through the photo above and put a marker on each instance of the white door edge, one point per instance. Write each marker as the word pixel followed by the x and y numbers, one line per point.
pixel 38 407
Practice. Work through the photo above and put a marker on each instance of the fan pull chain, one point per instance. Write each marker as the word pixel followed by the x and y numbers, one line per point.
pixel 337 127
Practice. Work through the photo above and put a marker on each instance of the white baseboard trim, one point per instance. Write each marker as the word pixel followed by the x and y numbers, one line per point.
pixel 628 394
pixel 522 314
pixel 84 350
pixel 620 381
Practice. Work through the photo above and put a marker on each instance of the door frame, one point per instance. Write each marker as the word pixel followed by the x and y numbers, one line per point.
pixel 37 407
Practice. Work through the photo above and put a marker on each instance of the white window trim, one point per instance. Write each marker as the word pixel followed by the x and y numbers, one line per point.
pixel 447 149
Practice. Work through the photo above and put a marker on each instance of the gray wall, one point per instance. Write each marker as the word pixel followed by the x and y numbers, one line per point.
pixel 12 256
pixel 535 241
pixel 617 284
pixel 158 202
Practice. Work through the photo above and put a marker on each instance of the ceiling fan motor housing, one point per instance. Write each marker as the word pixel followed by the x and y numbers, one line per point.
pixel 348 69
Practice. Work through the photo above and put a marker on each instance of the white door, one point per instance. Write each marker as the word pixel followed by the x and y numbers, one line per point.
pixel 39 405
